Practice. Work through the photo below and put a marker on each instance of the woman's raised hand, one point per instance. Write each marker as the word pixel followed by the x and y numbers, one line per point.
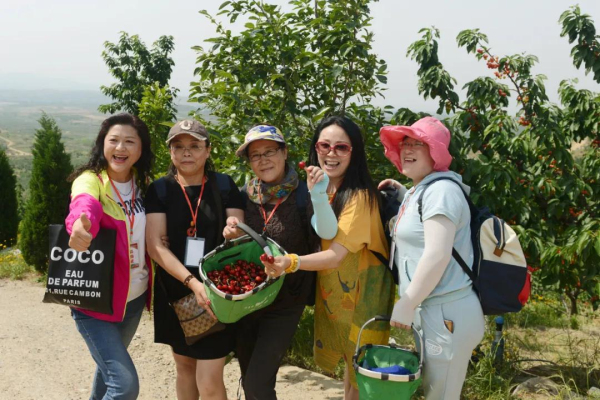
pixel 389 183
pixel 81 238
pixel 314 175
pixel 231 230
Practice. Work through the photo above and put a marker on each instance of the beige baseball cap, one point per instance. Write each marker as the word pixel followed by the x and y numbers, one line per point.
pixel 188 127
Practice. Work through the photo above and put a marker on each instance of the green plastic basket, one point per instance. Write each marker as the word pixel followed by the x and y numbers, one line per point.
pixel 377 385
pixel 229 308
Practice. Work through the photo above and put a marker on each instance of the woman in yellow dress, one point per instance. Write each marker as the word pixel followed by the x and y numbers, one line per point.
pixel 352 284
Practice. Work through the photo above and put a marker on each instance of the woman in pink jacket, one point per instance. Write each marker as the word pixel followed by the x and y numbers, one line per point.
pixel 106 193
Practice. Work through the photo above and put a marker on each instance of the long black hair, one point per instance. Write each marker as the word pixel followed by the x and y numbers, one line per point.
pixel 357 175
pixel 97 162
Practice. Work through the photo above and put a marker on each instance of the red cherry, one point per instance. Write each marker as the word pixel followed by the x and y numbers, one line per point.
pixel 301 165
pixel 271 259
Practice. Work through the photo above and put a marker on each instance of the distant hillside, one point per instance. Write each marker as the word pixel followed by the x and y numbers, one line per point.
pixel 75 111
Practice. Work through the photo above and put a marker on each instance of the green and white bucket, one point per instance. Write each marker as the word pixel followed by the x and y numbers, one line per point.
pixel 374 385
pixel 230 308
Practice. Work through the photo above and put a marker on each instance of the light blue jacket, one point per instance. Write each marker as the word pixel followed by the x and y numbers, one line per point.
pixel 441 198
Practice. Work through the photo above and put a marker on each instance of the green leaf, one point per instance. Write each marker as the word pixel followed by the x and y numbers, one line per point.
pixel 336 70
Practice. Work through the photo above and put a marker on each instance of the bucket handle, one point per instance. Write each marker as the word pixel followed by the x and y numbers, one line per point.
pixel 388 318
pixel 261 242
pixel 257 238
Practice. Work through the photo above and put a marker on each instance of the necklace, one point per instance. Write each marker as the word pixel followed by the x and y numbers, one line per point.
pixel 119 185
pixel 130 216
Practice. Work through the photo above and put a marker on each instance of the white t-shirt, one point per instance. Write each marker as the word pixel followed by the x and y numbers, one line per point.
pixel 139 272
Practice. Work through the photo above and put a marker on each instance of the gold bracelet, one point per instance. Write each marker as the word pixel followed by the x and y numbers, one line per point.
pixel 288 270
pixel 294 265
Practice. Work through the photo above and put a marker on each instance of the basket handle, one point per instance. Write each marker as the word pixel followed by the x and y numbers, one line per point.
pixel 388 318
pixel 375 318
pixel 257 238
pixel 382 318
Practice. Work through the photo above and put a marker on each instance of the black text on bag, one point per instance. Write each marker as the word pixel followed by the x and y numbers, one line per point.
pixel 81 279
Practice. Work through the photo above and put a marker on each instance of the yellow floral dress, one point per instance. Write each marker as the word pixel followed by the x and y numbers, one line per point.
pixel 356 291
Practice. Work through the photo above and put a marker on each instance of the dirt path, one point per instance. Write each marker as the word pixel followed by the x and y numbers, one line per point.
pixel 42 356
pixel 11 150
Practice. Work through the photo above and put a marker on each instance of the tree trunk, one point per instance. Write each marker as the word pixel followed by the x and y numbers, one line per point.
pixel 573 298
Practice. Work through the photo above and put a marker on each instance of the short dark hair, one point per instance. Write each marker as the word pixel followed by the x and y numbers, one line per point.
pixel 357 175
pixel 97 163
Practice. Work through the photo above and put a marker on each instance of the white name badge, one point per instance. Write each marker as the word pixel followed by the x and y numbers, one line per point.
pixel 194 251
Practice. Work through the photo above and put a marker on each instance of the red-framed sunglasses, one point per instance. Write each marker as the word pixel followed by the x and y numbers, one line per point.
pixel 340 149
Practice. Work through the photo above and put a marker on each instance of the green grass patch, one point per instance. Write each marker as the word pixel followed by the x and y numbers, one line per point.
pixel 541 311
pixel 539 341
pixel 12 265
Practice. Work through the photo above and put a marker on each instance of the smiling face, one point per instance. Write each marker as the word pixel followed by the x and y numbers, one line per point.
pixel 416 160
pixel 267 169
pixel 188 155
pixel 334 165
pixel 122 149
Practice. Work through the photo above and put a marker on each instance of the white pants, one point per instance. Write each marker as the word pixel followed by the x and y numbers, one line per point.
pixel 447 354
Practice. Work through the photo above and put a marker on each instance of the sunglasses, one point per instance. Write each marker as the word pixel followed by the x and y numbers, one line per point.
pixel 340 149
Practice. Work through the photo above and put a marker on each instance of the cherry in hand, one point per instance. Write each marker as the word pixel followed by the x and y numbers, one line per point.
pixel 266 258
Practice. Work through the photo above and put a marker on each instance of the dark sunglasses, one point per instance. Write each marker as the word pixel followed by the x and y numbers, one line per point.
pixel 340 149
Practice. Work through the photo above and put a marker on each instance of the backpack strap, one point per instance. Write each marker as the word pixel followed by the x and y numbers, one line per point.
pixel 223 185
pixel 455 254
pixel 220 187
pixel 160 185
pixel 381 258
pixel 244 193
pixel 302 197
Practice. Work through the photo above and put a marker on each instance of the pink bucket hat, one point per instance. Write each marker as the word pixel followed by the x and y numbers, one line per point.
pixel 428 130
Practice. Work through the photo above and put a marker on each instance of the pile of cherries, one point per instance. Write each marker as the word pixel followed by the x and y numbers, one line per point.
pixel 240 277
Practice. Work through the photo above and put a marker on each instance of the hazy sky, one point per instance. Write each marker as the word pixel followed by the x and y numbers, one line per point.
pixel 58 44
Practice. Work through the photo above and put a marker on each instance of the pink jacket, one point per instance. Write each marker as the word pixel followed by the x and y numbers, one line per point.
pixel 90 194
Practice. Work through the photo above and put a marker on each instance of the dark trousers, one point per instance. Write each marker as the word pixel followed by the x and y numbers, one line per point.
pixel 261 345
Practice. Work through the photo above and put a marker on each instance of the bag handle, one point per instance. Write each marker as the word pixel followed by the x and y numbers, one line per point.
pixel 257 238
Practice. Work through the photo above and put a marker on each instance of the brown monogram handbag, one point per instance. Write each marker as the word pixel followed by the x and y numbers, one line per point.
pixel 195 322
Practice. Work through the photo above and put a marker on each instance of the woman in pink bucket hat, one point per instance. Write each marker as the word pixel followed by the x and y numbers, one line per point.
pixel 435 294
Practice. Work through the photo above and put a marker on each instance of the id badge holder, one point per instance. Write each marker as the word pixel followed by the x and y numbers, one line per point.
pixel 134 255
pixel 194 251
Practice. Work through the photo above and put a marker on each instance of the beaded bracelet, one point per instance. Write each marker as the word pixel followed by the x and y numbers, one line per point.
pixel 294 265
pixel 187 280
